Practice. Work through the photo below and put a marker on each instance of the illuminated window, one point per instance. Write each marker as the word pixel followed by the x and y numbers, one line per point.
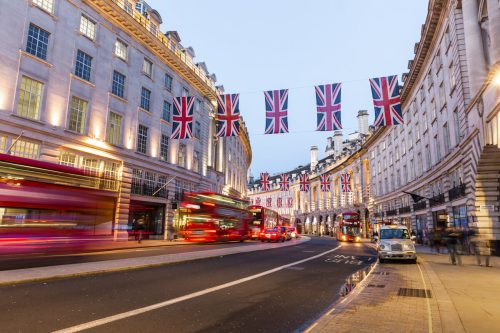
pixel 196 161
pixel 83 65
pixel 121 49
pixel 30 96
pixel 182 155
pixel 77 115
pixel 110 175
pixel 91 165
pixel 23 148
pixel 164 148
pixel 147 67
pixel 38 41
pixel 114 128
pixel 3 143
pixel 118 86
pixel 145 99
pixel 87 27
pixel 142 139
pixel 67 159
pixel 47 5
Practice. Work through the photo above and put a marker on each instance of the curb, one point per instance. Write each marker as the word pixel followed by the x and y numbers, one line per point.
pixel 29 275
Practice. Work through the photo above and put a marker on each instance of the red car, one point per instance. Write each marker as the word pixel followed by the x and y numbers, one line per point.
pixel 276 234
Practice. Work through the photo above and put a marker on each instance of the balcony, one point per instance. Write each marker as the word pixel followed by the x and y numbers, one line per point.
pixel 405 209
pixel 420 205
pixel 456 192
pixel 437 200
pixel 391 212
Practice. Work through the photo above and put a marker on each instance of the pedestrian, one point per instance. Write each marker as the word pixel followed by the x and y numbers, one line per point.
pixel 436 239
pixel 482 248
pixel 139 230
pixel 452 243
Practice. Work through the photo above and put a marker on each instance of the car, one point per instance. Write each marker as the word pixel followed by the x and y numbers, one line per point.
pixel 276 234
pixel 395 244
pixel 293 232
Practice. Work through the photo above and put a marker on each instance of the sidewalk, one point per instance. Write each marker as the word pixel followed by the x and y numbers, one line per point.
pixel 459 298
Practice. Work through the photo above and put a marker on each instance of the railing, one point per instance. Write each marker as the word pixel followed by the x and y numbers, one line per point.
pixel 456 192
pixel 149 190
pixel 391 212
pixel 154 30
pixel 404 210
pixel 437 200
pixel 420 205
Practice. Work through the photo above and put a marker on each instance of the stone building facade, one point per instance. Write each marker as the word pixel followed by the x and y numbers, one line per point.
pixel 90 84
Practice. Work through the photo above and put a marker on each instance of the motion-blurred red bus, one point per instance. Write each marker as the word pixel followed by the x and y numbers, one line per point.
pixel 348 227
pixel 213 217
pixel 284 221
pixel 262 218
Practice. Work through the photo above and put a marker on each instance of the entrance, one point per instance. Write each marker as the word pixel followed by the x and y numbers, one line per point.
pixel 148 216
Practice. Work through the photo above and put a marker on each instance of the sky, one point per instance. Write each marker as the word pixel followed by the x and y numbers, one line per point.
pixel 258 45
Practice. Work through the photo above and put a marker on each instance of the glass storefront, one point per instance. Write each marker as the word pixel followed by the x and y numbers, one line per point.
pixel 459 217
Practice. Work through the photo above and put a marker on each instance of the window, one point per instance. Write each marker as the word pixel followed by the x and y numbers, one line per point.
pixel 197 129
pixel 442 97
pixel 456 120
pixel 91 165
pixel 30 96
pixel 196 162
pixel 439 62
pixel 121 49
pixel 87 27
pixel 403 148
pixel 446 38
pixel 405 174
pixel 27 149
pixel 438 149
pixel 142 139
pixel 83 65
pixel 451 73
pixel 446 138
pixel 67 159
pixel 197 105
pixel 185 92
pixel 430 80
pixel 164 148
pixel 419 165
pixel 114 128
pixel 47 5
pixel 396 149
pixel 118 86
pixel 165 115
pixel 3 144
pixel 417 132
pixel 428 159
pixel 421 95
pixel 168 82
pixel 424 121
pixel 38 41
pixel 147 67
pixel 433 110
pixel 145 99
pixel 182 155
pixel 410 140
pixel 77 115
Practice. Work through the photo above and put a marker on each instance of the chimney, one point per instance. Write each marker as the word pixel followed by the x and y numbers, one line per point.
pixel 314 157
pixel 329 146
pixel 337 142
pixel 363 121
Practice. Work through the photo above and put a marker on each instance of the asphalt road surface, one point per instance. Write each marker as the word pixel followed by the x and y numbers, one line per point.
pixel 250 292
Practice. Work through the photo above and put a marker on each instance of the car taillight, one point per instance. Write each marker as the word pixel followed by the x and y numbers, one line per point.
pixel 273 234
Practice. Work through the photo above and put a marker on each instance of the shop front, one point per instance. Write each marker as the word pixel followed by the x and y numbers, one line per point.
pixel 147 217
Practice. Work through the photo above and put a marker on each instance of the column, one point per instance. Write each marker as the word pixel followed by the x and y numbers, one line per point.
pixel 476 64
pixel 494 24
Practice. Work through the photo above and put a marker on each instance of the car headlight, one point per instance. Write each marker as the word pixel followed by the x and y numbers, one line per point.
pixel 409 247
pixel 382 246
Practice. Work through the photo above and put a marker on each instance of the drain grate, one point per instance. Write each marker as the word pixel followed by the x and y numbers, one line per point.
pixel 424 293
pixel 381 273
pixel 376 286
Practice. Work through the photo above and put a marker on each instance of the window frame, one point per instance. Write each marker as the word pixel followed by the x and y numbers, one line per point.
pixel 89 23
pixel 37 45
pixel 85 71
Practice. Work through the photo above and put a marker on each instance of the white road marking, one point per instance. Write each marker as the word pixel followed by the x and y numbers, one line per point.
pixel 136 312
pixel 429 313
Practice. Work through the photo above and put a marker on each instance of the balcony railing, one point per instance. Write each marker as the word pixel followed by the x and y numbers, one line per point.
pixel 391 212
pixel 456 192
pixel 437 200
pixel 420 205
pixel 405 209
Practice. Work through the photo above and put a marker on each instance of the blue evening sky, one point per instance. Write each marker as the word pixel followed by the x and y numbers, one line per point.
pixel 259 45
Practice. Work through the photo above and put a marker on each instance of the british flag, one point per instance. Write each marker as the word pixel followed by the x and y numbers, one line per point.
pixel 228 115
pixel 304 182
pixel 386 100
pixel 328 107
pixel 182 118
pixel 345 181
pixel 257 202
pixel 279 202
pixel 289 202
pixel 284 182
pixel 269 202
pixel 264 181
pixel 325 183
pixel 276 111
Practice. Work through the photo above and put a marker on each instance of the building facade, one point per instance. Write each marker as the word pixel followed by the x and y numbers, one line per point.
pixel 90 85
pixel 447 151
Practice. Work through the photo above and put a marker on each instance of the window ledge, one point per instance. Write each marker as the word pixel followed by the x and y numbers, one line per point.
pixel 120 58
pixel 55 18
pixel 121 99
pixel 78 32
pixel 31 56
pixel 36 121
pixel 149 113
pixel 73 76
pixel 74 132
pixel 163 121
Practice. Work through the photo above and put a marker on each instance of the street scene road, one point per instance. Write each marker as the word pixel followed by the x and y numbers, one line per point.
pixel 283 301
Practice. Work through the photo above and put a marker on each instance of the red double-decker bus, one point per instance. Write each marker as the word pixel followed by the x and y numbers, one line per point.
pixel 348 227
pixel 262 218
pixel 213 217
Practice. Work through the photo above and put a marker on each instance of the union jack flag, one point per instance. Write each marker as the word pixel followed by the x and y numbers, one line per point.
pixel 279 202
pixel 257 202
pixel 289 202
pixel 228 115
pixel 328 107
pixel 345 181
pixel 284 182
pixel 276 111
pixel 325 183
pixel 264 181
pixel 269 202
pixel 304 182
pixel 386 100
pixel 182 118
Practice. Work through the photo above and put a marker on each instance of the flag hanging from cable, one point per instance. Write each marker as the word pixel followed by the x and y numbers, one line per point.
pixel 386 100
pixel 328 107
pixel 276 111
pixel 182 118
pixel 345 181
pixel 304 182
pixel 228 115
pixel 284 182
pixel 324 181
pixel 289 202
pixel 264 181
